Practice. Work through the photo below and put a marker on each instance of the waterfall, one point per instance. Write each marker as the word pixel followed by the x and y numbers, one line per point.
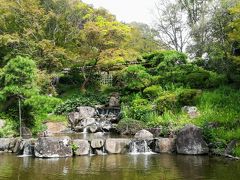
pixel 27 151
pixel 85 130
pixel 104 151
pixel 140 147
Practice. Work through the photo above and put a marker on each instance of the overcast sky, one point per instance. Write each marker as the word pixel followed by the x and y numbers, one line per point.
pixel 127 10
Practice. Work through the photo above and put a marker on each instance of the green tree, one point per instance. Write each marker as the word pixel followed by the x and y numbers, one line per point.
pixel 19 78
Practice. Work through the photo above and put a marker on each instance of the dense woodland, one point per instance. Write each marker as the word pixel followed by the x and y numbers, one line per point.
pixel 51 53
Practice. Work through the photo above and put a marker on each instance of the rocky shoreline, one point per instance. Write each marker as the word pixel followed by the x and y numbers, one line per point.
pixel 189 141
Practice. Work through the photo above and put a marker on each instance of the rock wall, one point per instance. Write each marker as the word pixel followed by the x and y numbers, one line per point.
pixel 188 141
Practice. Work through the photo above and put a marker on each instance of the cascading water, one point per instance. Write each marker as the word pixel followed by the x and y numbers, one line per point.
pixel 140 147
pixel 27 151
pixel 85 130
pixel 104 152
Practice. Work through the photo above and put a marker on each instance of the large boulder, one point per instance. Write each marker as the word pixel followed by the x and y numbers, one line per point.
pixel 114 100
pixel 93 128
pixel 190 141
pixel 143 134
pixel 81 147
pixel 5 144
pixel 165 145
pixel 26 132
pixel 86 112
pixel 73 119
pixel 99 135
pixel 55 127
pixel 155 131
pixel 97 143
pixel 116 146
pixel 50 147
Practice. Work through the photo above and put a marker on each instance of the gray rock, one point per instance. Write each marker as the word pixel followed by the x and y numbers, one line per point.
pixel 86 112
pixel 190 141
pixel 18 146
pixel 106 125
pixel 2 123
pixel 5 143
pixel 98 135
pixel 230 147
pixel 165 145
pixel 155 131
pixel 82 147
pixel 116 146
pixel 88 122
pixel 73 119
pixel 97 143
pixel 192 111
pixel 143 134
pixel 114 100
pixel 50 147
pixel 26 133
pixel 93 128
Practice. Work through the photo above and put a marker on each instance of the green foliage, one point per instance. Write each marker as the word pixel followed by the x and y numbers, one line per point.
pixel 38 107
pixel 172 67
pixel 153 91
pixel 236 151
pixel 139 107
pixel 87 99
pixel 19 77
pixel 166 58
pixel 134 78
pixel 188 97
pixel 9 128
pixel 56 118
pixel 42 104
pixel 219 115
pixel 167 101
pixel 130 126
pixel 74 147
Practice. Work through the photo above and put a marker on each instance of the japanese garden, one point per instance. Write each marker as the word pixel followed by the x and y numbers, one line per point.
pixel 84 95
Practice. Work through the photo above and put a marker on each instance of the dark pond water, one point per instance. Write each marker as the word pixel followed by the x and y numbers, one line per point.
pixel 119 167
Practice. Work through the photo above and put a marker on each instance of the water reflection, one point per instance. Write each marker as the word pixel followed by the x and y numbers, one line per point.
pixel 119 167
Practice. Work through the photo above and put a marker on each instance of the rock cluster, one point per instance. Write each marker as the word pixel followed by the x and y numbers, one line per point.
pixel 93 120
pixel 188 141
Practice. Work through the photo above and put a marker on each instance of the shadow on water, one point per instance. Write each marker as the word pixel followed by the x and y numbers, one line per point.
pixel 119 167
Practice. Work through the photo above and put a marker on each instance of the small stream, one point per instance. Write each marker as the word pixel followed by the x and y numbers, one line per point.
pixel 119 167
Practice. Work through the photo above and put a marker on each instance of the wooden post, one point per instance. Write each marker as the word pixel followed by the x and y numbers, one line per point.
pixel 20 115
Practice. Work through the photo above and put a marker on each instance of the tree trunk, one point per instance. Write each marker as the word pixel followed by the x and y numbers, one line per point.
pixel 84 84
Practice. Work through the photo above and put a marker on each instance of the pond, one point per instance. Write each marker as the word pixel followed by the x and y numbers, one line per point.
pixel 119 167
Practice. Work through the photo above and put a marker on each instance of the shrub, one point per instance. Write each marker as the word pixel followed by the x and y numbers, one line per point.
pixel 10 127
pixel 236 151
pixel 140 107
pixel 188 97
pixel 134 78
pixel 39 107
pixel 153 91
pixel 166 57
pixel 80 100
pixel 167 101
pixel 129 126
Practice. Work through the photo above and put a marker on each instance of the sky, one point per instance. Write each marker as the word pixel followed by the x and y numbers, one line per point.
pixel 127 10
